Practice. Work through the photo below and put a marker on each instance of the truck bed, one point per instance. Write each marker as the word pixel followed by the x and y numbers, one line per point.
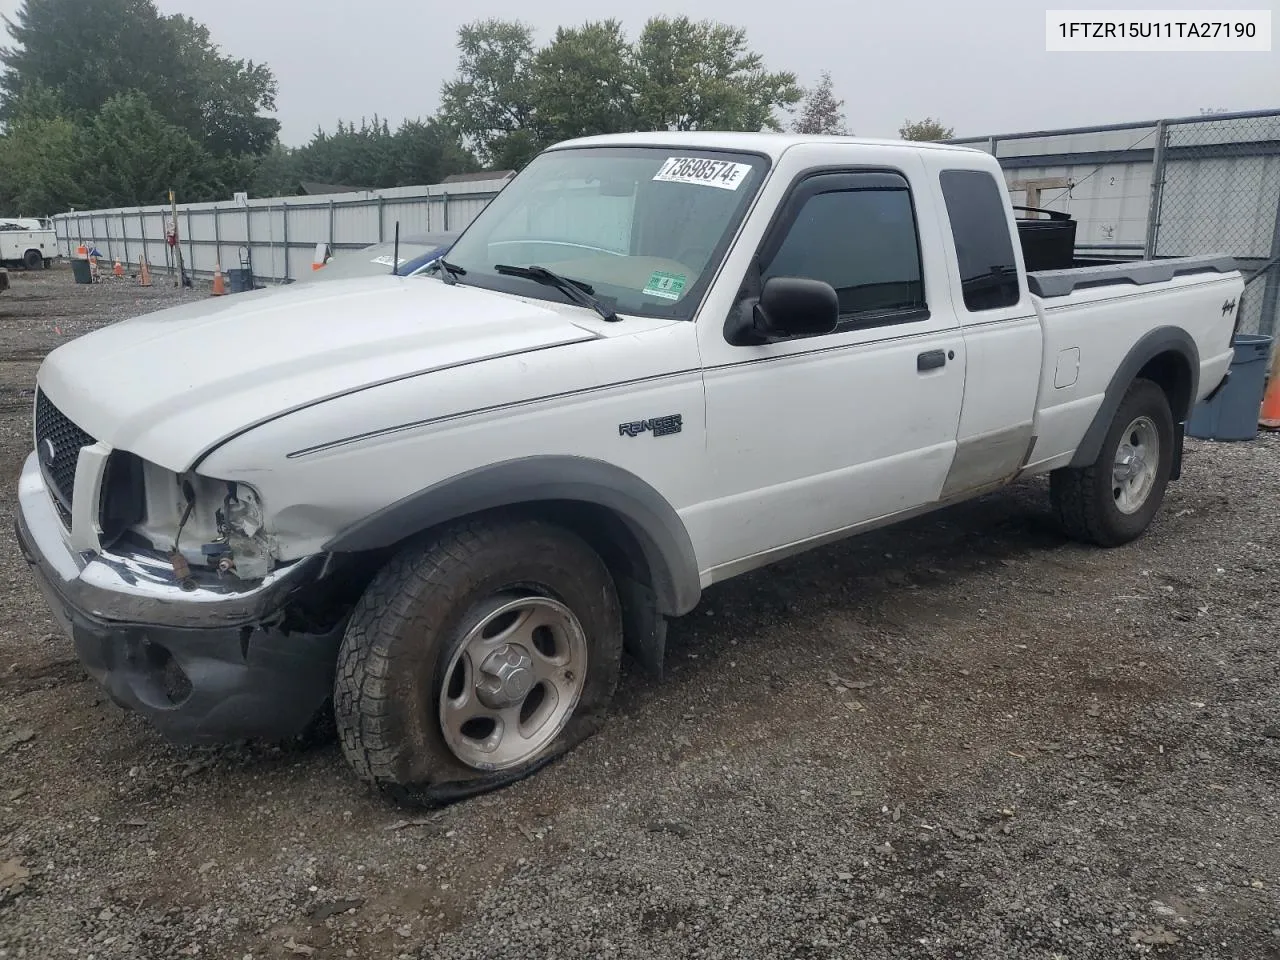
pixel 1049 284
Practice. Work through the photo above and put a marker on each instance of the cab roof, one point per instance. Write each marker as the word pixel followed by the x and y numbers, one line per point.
pixel 772 145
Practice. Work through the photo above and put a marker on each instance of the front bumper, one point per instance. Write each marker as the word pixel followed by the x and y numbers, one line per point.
pixel 208 664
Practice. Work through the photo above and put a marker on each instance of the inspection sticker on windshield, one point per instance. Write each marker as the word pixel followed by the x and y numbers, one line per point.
pixel 712 173
pixel 668 286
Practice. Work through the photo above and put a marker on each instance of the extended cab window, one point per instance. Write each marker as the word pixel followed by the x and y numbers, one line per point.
pixel 864 243
pixel 984 248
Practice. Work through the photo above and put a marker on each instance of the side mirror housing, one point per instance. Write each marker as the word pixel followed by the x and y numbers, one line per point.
pixel 788 307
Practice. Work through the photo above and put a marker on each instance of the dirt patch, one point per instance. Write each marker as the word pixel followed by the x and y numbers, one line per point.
pixel 963 737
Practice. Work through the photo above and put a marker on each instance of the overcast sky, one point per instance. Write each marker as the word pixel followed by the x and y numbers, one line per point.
pixel 980 65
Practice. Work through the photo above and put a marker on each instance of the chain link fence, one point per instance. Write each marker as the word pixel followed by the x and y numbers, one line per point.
pixel 1216 189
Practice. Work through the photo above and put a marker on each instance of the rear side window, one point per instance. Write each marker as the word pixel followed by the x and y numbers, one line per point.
pixel 984 248
pixel 863 243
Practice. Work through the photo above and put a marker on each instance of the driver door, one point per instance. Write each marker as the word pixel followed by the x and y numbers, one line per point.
pixel 815 436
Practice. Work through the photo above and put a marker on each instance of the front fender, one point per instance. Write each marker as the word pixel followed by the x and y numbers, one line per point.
pixel 653 522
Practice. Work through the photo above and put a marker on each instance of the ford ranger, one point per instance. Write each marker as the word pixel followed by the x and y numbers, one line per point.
pixel 436 509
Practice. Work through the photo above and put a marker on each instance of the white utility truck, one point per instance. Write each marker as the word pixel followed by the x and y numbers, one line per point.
pixel 436 509
pixel 27 242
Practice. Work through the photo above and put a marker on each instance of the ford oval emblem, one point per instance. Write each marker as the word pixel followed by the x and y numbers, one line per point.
pixel 48 452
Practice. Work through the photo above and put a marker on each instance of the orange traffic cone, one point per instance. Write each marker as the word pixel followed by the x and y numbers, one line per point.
pixel 219 282
pixel 1269 416
pixel 118 269
pixel 144 273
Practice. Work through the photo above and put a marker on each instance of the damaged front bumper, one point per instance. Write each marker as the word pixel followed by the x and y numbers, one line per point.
pixel 208 661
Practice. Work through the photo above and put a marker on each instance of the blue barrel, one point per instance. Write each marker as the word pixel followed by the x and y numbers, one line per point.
pixel 1233 413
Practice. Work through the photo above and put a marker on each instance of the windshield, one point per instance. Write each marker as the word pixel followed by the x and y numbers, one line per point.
pixel 644 228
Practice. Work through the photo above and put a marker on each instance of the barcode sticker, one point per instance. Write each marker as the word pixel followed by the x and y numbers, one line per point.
pixel 724 174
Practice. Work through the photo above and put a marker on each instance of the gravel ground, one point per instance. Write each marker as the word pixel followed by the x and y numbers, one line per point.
pixel 964 737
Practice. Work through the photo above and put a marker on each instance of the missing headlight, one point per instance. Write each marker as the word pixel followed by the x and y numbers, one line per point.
pixel 243 549
pixel 123 501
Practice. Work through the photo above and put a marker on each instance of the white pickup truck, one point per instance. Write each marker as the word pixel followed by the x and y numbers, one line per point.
pixel 436 509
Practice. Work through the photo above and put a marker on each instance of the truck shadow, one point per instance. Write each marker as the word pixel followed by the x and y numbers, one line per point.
pixel 880 569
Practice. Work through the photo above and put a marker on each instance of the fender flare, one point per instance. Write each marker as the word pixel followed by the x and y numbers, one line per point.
pixel 653 522
pixel 1156 342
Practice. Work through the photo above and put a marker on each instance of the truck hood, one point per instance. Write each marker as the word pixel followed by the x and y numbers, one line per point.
pixel 171 385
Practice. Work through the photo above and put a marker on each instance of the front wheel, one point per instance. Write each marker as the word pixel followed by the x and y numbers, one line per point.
pixel 476 659
pixel 1113 500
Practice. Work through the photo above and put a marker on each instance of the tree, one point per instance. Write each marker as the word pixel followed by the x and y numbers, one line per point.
pixel 489 105
pixel 89 51
pixel 584 83
pixel 134 156
pixel 427 152
pixel 509 100
pixel 926 129
pixel 223 97
pixel 366 156
pixel 700 76
pixel 821 112
pixel 41 167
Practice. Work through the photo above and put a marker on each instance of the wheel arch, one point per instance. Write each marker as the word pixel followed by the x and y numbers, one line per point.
pixel 1168 356
pixel 636 531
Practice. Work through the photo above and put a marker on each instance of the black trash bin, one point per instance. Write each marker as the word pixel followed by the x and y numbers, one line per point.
pixel 1047 244
pixel 81 270
pixel 239 280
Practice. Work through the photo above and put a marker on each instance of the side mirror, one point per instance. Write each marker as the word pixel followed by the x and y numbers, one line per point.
pixel 788 307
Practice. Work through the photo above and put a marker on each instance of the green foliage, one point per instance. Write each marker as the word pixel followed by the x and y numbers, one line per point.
pixel 492 99
pixel 926 130
pixel 821 112
pixel 701 76
pixel 509 100
pixel 370 155
pixel 92 50
pixel 110 103
pixel 585 83
pixel 40 170
pixel 133 156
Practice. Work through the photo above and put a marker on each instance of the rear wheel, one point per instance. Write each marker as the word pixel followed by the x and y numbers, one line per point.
pixel 1113 500
pixel 476 659
pixel 33 260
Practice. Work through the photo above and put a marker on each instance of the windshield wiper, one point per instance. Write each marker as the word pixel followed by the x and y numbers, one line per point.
pixel 448 271
pixel 577 291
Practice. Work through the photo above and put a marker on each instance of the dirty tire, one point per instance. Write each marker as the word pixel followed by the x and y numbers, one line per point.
pixel 33 260
pixel 411 620
pixel 1083 498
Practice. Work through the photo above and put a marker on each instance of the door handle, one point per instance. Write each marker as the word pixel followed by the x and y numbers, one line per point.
pixel 931 360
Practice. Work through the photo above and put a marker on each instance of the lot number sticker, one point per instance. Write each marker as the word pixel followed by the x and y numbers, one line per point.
pixel 710 173
pixel 667 286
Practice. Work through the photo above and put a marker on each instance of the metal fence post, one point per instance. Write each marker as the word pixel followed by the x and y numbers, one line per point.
pixel 124 235
pixel 142 232
pixel 1157 189
pixel 1268 320
pixel 217 236
pixel 330 224
pixel 445 197
pixel 284 214
pixel 382 203
pixel 191 248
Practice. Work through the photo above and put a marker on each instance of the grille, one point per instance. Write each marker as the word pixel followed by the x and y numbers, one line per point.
pixel 58 443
